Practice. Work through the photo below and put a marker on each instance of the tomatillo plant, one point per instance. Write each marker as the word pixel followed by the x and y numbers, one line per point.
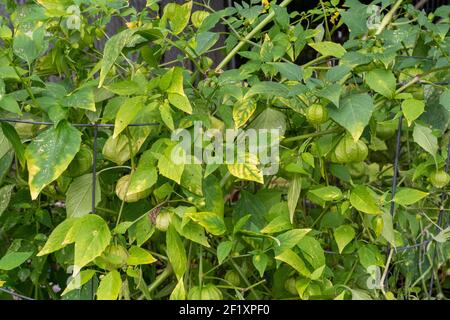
pixel 351 203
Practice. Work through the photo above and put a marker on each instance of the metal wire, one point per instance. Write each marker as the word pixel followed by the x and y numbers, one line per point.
pixel 14 294
pixel 88 125
pixel 440 220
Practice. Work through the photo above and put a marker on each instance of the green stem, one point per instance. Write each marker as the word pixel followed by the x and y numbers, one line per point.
pixel 238 270
pixel 250 35
pixel 388 17
pixel 160 279
pixel 312 135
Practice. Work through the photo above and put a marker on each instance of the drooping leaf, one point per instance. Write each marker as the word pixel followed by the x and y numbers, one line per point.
pixel 49 155
pixel 176 252
pixel 291 258
pixel 343 235
pixel 110 285
pixel 223 250
pixel 128 111
pixel 424 137
pixel 11 134
pixel 295 187
pixel 412 109
pixel 354 113
pixel 170 168
pixel 113 48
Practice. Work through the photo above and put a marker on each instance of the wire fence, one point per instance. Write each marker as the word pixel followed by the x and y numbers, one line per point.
pixel 422 244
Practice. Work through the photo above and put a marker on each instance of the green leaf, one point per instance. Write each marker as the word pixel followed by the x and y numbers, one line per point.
pixel 408 196
pixel 213 194
pixel 113 48
pixel 167 167
pixel 92 238
pixel 412 109
pixel 444 99
pixel 29 46
pixel 268 88
pixel 212 222
pixel 10 104
pixel 270 119
pixel 139 256
pixel 198 16
pixel 223 250
pixel 327 48
pixel 79 280
pixel 424 137
pixel 81 99
pixel 289 70
pixel 12 260
pixel 179 293
pixel 110 285
pixel 5 197
pixel 79 196
pixel 60 237
pixel 128 111
pixel 369 255
pixel 290 239
pixel 175 92
pixel 291 258
pixel 354 113
pixel 260 261
pixel 123 88
pixel 331 92
pixel 278 224
pixel 343 235
pixel 11 134
pixel 49 155
pixel 388 228
pixel 176 252
pixel 242 111
pixel 166 115
pixel 178 16
pixel 382 82
pixel 295 187
pixel 362 200
pixel 329 193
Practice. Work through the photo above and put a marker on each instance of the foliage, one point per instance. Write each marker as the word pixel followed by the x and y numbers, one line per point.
pixel 316 229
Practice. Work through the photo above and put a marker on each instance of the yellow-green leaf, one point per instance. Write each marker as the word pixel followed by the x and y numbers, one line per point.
pixel 343 235
pixel 49 155
pixel 128 111
pixel 412 109
pixel 110 285
pixel 362 200
pixel 408 196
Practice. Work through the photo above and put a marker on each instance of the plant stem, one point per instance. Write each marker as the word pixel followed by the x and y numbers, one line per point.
pixel 238 270
pixel 312 135
pixel 250 35
pixel 388 17
pixel 160 279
